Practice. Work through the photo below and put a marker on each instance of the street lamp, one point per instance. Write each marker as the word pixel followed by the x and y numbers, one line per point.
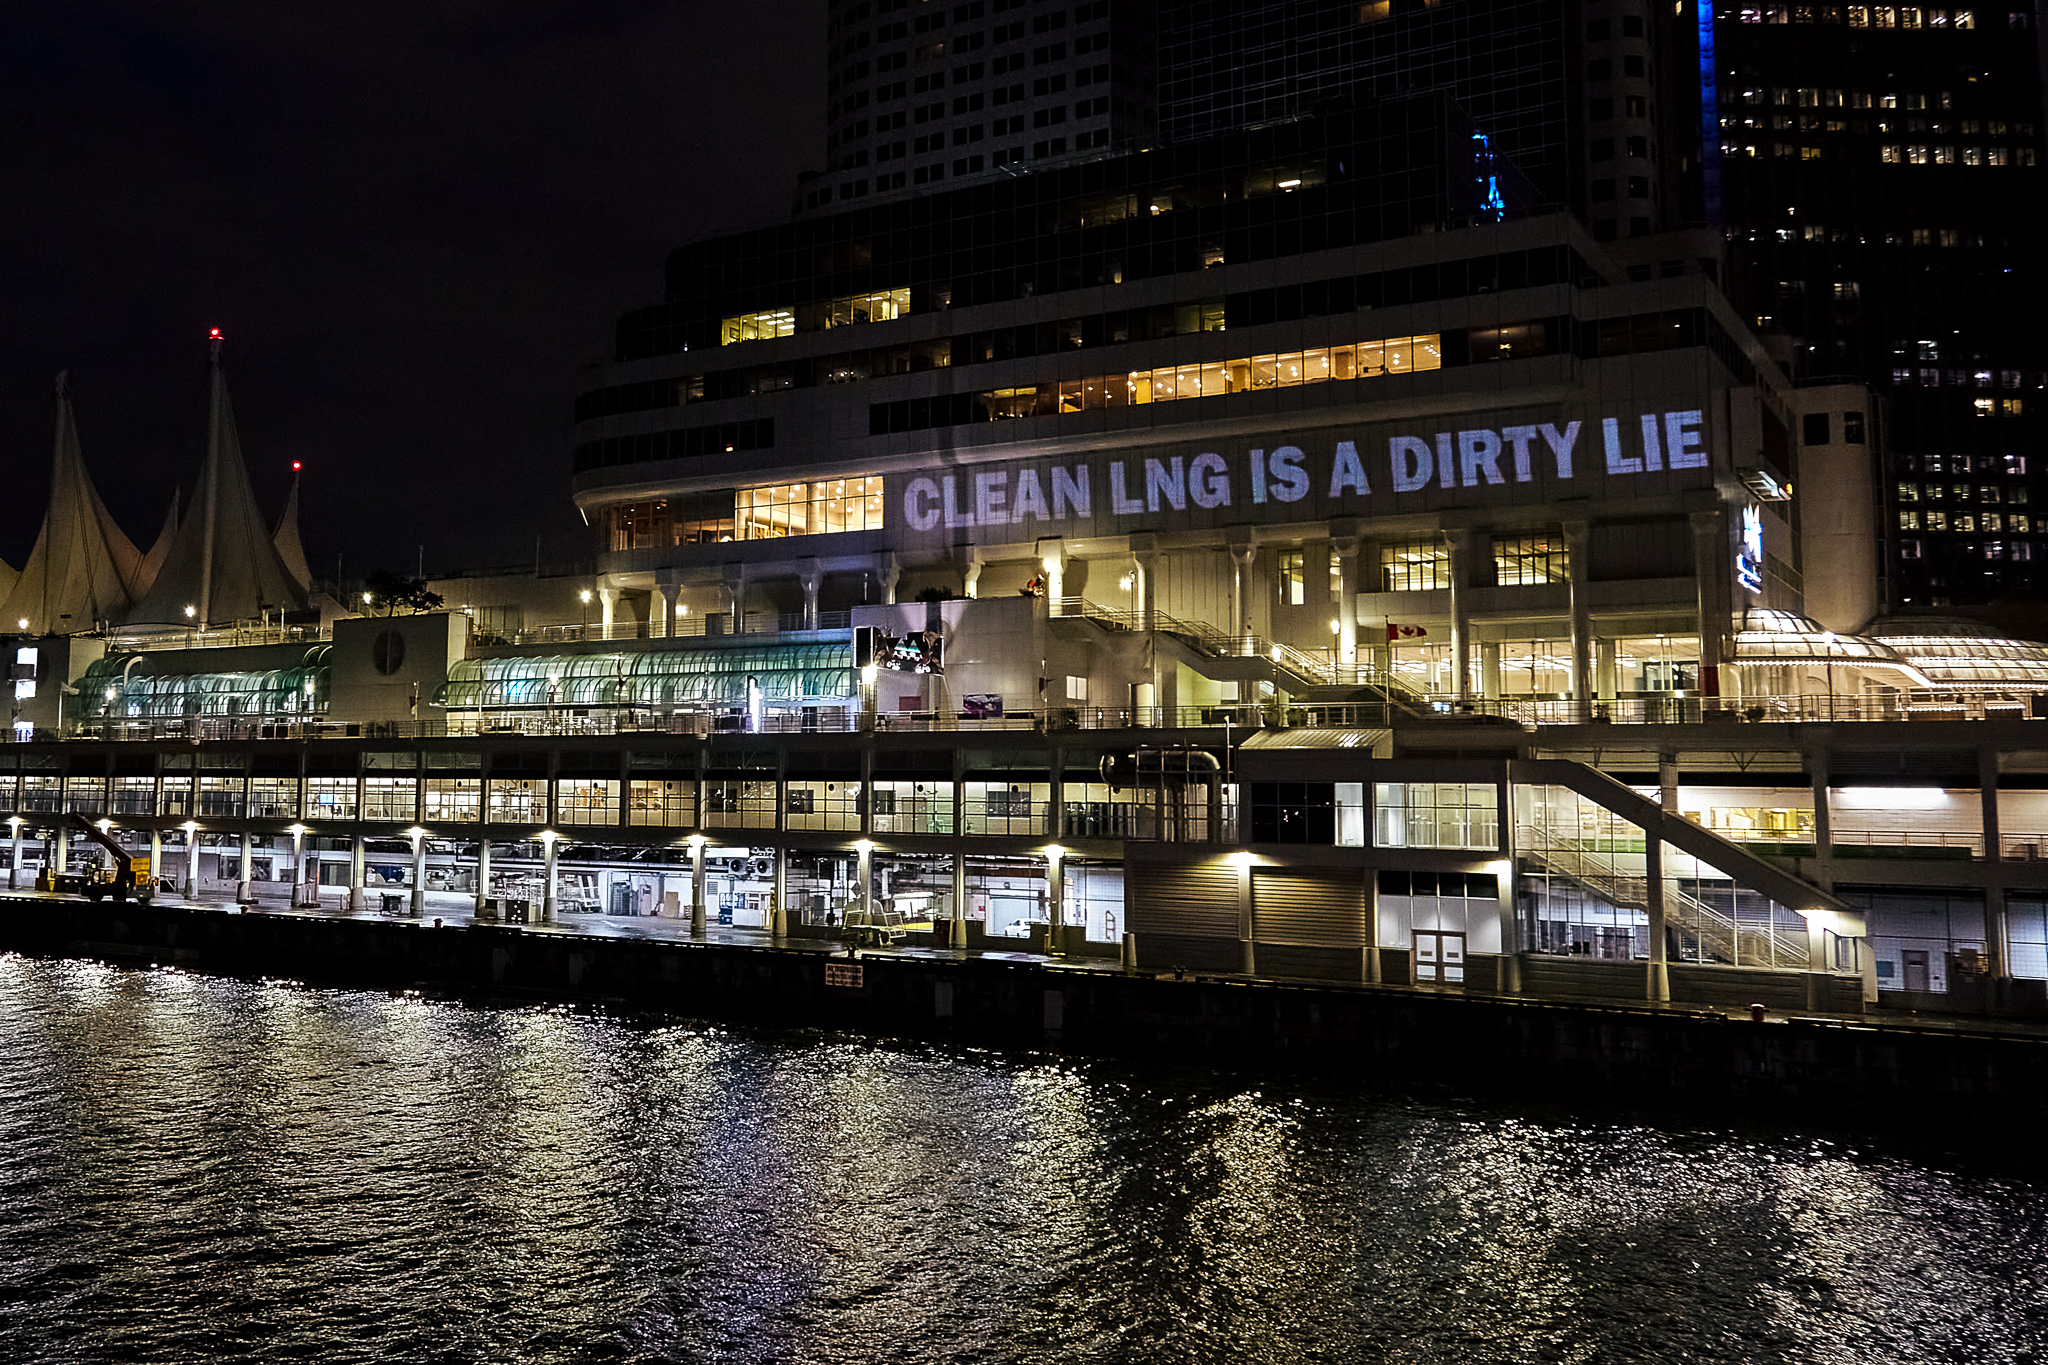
pixel 584 629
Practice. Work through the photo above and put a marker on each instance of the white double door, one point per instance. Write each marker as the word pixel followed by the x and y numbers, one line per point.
pixel 1439 957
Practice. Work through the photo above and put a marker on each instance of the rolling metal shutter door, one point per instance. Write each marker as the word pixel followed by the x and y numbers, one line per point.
pixel 1313 909
pixel 1182 901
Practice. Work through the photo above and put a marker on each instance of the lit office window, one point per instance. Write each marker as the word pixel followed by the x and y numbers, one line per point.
pixel 1436 815
pixel 1418 566
pixel 825 507
pixel 762 326
pixel 1523 561
pixel 1247 374
pixel 882 306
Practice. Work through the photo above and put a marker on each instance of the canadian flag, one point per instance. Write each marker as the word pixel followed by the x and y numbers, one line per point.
pixel 1398 632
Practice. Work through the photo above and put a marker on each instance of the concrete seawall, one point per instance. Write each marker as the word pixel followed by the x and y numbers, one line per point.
pixel 1888 1074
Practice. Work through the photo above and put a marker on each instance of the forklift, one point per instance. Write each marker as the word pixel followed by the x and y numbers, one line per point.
pixel 123 876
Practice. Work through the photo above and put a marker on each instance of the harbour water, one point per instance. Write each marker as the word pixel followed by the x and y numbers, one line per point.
pixel 197 1168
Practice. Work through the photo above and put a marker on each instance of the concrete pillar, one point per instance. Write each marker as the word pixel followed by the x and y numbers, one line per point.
pixel 1608 652
pixel 1055 899
pixel 1345 547
pixel 734 586
pixel 1489 671
pixel 864 874
pixel 1708 541
pixel 957 936
pixel 778 899
pixel 1242 579
pixel 60 854
pixel 483 881
pixel 1577 534
pixel 1823 820
pixel 608 605
pixel 812 578
pixel 248 851
pixel 156 854
pixel 970 577
pixel 1996 961
pixel 419 875
pixel 1658 986
pixel 191 862
pixel 1461 623
pixel 665 595
pixel 355 873
pixel 298 863
pixel 1667 782
pixel 14 863
pixel 547 886
pixel 697 886
pixel 1244 916
pixel 1052 559
pixel 1370 970
pixel 891 573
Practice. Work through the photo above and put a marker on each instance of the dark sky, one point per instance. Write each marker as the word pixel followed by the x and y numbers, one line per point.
pixel 415 222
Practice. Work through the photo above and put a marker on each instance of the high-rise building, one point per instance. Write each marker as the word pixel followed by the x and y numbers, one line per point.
pixel 1879 173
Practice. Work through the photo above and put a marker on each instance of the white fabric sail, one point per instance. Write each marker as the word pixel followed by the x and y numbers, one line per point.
pixel 222 562
pixel 153 562
pixel 289 548
pixel 83 571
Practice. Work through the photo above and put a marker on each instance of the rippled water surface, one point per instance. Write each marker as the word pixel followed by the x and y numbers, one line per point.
pixel 202 1169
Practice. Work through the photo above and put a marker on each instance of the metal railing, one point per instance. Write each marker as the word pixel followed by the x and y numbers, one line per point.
pixel 714 626
pixel 223 638
pixel 1916 706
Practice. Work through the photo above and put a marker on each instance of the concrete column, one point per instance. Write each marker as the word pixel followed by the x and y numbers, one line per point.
pixel 1708 538
pixel 298 862
pixel 547 886
pixel 419 874
pixel 1577 534
pixel 970 577
pixel 355 873
pixel 608 605
pixel 248 851
pixel 483 880
pixel 1608 652
pixel 1370 969
pixel 60 854
pixel 697 886
pixel 1997 962
pixel 14 863
pixel 1244 916
pixel 1146 598
pixel 1055 900
pixel 1489 671
pixel 864 873
pixel 191 862
pixel 891 573
pixel 1823 820
pixel 1242 578
pixel 1461 624
pixel 778 900
pixel 1345 547
pixel 1052 559
pixel 734 586
pixel 1658 986
pixel 156 854
pixel 1667 782
pixel 665 595
pixel 958 935
pixel 812 578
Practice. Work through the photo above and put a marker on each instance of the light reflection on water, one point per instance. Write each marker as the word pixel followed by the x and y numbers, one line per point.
pixel 193 1168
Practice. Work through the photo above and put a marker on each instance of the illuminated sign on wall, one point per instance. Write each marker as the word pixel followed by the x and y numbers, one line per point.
pixel 1379 470
pixel 1749 554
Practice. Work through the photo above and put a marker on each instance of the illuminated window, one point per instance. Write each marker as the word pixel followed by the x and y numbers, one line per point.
pixel 1909 520
pixel 1524 561
pixel 1436 815
pixel 1420 566
pixel 1292 578
pixel 825 507
pixel 774 322
pixel 883 306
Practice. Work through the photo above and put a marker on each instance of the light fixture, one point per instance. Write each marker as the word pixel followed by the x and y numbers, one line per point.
pixel 366 601
pixel 295 830
pixel 1054 852
pixel 1336 626
pixel 585 594
pixel 415 834
pixel 863 845
pixel 191 611
pixel 23 623
pixel 104 825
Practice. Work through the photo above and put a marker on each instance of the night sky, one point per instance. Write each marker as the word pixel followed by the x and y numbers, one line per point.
pixel 415 222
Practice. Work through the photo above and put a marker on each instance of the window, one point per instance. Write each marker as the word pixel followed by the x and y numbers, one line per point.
pixel 1436 815
pixel 762 326
pixel 1524 561
pixel 1418 566
pixel 1291 578
pixel 1814 429
pixel 825 507
pixel 1909 519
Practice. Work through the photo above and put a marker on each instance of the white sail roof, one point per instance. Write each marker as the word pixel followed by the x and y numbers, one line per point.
pixel 222 562
pixel 83 570
pixel 153 562
pixel 289 548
